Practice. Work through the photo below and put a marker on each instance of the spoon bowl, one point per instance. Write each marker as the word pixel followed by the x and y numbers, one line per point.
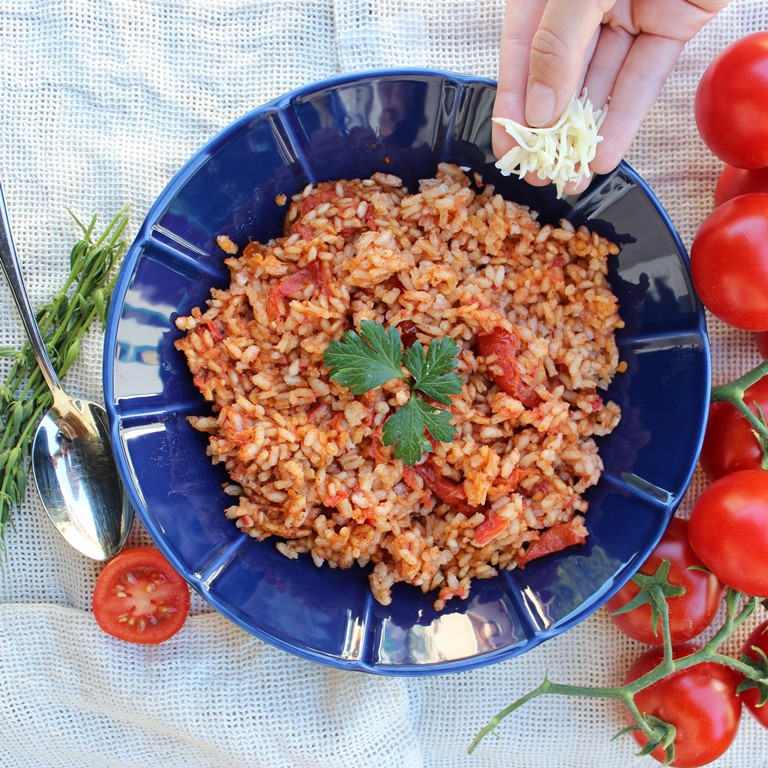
pixel 74 470
pixel 72 460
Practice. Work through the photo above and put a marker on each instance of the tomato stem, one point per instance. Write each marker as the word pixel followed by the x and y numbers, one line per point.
pixel 739 607
pixel 733 392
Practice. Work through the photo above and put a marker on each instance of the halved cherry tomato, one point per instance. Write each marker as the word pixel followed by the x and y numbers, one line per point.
pixel 690 613
pixel 140 598
pixel 728 530
pixel 751 696
pixel 730 443
pixel 700 701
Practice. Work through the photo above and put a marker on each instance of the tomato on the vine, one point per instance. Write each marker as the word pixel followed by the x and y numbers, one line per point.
pixel 761 342
pixel 699 701
pixel 730 443
pixel 731 103
pixel 728 530
pixel 729 261
pixel 751 696
pixel 140 598
pixel 733 182
pixel 690 613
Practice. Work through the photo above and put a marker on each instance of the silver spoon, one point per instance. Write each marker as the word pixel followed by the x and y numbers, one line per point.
pixel 72 459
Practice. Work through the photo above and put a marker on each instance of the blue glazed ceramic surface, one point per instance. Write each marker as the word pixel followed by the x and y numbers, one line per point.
pixel 401 122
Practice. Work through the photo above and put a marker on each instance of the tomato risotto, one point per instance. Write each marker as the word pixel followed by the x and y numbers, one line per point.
pixel 534 319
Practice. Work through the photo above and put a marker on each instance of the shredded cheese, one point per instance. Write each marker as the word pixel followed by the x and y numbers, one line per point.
pixel 561 152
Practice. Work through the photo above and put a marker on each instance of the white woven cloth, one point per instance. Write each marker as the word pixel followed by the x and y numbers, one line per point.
pixel 100 103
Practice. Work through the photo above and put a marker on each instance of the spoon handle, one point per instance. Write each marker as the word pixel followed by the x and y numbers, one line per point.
pixel 12 269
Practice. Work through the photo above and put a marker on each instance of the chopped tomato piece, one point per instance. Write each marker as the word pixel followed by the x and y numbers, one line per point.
pixel 502 346
pixel 446 490
pixel 216 333
pixel 332 501
pixel 313 274
pixel 490 528
pixel 511 483
pixel 551 540
pixel 140 598
pixel 325 192
pixel 408 333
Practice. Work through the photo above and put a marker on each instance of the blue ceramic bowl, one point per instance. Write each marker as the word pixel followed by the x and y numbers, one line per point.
pixel 402 122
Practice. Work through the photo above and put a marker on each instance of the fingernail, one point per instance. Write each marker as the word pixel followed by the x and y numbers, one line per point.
pixel 539 105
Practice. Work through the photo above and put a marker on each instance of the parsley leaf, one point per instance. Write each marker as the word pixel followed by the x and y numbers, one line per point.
pixel 436 420
pixel 432 371
pixel 375 356
pixel 405 430
pixel 367 361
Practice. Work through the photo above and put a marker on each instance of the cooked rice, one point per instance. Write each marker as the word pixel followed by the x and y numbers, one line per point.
pixel 453 260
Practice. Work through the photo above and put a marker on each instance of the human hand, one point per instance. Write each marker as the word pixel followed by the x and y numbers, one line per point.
pixel 620 50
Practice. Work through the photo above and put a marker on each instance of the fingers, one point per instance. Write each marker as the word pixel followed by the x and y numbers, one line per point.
pixel 645 69
pixel 545 48
pixel 521 21
pixel 606 63
pixel 559 51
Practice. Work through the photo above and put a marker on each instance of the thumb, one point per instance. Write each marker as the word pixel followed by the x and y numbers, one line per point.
pixel 559 49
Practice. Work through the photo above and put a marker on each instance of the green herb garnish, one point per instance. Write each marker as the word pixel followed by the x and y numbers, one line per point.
pixel 24 395
pixel 368 360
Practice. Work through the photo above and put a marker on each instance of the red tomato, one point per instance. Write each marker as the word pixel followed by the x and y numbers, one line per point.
pixel 761 341
pixel 689 614
pixel 733 182
pixel 729 261
pixel 729 441
pixel 751 696
pixel 731 103
pixel 700 701
pixel 140 598
pixel 729 530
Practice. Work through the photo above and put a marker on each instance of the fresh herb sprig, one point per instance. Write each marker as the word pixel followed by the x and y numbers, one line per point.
pixel 369 359
pixel 63 320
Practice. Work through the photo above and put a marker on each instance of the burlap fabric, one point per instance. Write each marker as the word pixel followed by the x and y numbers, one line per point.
pixel 100 103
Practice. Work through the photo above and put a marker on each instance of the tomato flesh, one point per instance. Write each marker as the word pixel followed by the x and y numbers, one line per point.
pixel 690 613
pixel 728 530
pixel 140 598
pixel 551 540
pixel 700 701
pixel 501 347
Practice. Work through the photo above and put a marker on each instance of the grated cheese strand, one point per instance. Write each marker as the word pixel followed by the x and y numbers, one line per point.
pixel 561 152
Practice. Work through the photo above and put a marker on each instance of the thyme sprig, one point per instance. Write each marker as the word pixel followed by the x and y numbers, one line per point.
pixel 63 320
pixel 739 607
